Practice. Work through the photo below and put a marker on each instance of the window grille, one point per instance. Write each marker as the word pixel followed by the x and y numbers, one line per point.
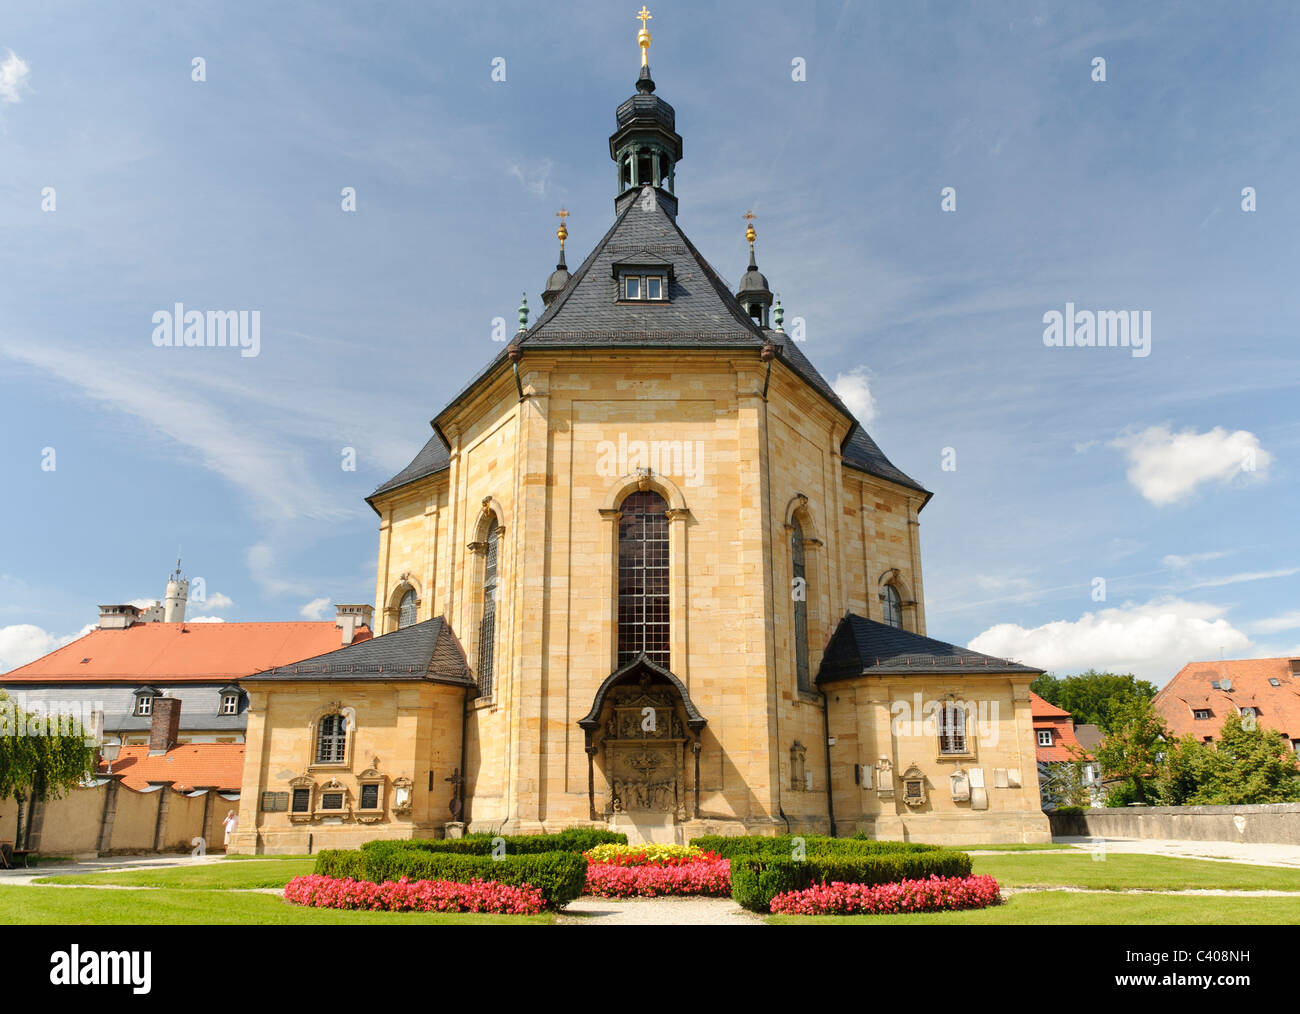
pixel 952 729
pixel 331 746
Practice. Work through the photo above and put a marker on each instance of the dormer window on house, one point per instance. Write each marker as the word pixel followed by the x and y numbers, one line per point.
pixel 144 701
pixel 1201 713
pixel 1044 737
pixel 230 704
pixel 643 283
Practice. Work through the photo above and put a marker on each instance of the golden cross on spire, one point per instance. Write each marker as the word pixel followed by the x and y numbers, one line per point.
pixel 643 36
pixel 562 232
pixel 750 234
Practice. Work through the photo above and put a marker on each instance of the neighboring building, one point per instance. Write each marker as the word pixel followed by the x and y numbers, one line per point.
pixel 1058 748
pixel 1198 699
pixel 120 668
pixel 641 555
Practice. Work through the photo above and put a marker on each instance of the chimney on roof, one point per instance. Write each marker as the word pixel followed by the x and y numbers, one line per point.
pixel 117 617
pixel 350 619
pixel 166 724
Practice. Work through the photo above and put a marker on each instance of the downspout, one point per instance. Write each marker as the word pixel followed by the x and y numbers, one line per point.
pixel 830 795
pixel 768 354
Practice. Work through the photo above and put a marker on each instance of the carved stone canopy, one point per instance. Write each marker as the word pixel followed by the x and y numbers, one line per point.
pixel 642 672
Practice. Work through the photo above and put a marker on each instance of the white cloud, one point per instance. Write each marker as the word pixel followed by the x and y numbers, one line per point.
pixel 315 609
pixel 271 472
pixel 14 73
pixel 855 391
pixel 1254 575
pixel 533 177
pixel 218 601
pixel 142 603
pixel 25 642
pixel 1166 467
pixel 1153 640
pixel 204 619
pixel 1176 562
pixel 1276 624
pixel 266 572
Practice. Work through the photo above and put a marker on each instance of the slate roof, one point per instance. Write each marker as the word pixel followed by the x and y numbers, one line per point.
pixel 863 647
pixel 422 651
pixel 701 313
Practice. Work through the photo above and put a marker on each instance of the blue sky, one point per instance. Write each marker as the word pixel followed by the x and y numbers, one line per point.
pixel 1072 464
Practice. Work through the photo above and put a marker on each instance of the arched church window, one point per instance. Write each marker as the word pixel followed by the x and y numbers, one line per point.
pixel 332 740
pixel 799 594
pixel 488 618
pixel 893 606
pixel 643 578
pixel 406 610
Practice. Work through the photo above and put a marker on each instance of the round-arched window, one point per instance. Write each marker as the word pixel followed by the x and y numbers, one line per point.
pixel 406 610
pixel 893 606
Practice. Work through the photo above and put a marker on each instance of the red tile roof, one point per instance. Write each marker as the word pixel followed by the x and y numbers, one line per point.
pixel 1191 690
pixel 214 765
pixel 182 652
pixel 1049 716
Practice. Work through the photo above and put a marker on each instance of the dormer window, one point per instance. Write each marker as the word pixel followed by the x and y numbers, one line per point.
pixel 230 704
pixel 643 282
pixel 144 701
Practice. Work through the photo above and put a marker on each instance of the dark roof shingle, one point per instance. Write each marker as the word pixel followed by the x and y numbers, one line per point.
pixel 863 647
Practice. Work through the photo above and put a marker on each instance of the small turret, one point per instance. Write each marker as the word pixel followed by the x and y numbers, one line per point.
pixel 560 276
pixel 753 294
pixel 178 594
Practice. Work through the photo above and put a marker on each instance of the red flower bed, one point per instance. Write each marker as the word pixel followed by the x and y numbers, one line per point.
pixel 707 875
pixel 414 896
pixel 936 894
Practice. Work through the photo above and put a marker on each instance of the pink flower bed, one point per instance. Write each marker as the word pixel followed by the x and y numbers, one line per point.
pixel 706 875
pixel 936 894
pixel 415 896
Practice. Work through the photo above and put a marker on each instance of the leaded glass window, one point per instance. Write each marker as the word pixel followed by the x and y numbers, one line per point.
pixel 799 593
pixel 893 606
pixel 406 611
pixel 487 623
pixel 643 578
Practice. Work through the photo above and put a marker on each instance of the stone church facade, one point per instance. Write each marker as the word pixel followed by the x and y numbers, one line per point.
pixel 648 572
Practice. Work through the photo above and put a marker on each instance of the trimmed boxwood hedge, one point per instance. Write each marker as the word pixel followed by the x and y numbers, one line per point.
pixel 757 879
pixel 574 839
pixel 341 864
pixel 560 876
pixel 782 846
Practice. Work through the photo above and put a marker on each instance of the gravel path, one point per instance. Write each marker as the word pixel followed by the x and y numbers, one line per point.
pixel 587 911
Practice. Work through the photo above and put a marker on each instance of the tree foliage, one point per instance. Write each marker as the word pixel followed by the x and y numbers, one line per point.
pixel 1093 697
pixel 41 756
pixel 1246 764
pixel 1131 750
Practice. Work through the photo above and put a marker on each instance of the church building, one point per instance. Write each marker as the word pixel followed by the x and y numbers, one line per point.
pixel 650 573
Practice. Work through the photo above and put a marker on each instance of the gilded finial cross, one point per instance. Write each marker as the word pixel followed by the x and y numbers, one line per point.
pixel 643 37
pixel 645 15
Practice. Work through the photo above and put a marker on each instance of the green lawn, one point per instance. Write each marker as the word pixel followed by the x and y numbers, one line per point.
pixel 86 906
pixel 1123 872
pixel 213 876
pixel 1015 846
pixel 1056 908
